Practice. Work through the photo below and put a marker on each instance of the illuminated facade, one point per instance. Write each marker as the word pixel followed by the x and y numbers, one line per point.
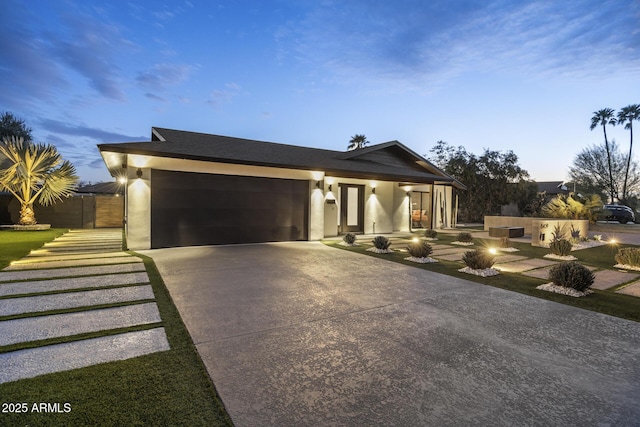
pixel 187 189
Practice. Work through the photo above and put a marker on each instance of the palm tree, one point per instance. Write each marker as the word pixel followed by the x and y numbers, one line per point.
pixel 34 172
pixel 626 116
pixel 605 117
pixel 357 141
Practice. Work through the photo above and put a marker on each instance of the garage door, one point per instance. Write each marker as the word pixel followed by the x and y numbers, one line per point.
pixel 190 209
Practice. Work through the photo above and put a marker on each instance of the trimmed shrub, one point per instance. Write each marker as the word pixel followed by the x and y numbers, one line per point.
pixel 381 242
pixel 571 275
pixel 430 233
pixel 505 242
pixel 628 256
pixel 478 259
pixel 349 238
pixel 419 249
pixel 560 247
pixel 464 237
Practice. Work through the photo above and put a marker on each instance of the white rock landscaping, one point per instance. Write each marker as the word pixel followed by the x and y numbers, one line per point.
pixel 421 260
pixel 550 287
pixel 380 251
pixel 560 257
pixel 485 272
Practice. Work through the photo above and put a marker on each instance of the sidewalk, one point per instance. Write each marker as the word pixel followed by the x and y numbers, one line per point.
pixel 81 283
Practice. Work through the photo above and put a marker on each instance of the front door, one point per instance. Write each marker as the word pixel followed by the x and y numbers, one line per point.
pixel 351 208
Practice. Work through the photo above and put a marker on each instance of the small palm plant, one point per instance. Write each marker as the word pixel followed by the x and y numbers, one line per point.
pixel 34 173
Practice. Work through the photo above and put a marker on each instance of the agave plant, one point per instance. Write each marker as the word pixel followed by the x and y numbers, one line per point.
pixel 34 173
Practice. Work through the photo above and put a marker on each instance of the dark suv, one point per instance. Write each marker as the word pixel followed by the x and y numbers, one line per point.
pixel 620 213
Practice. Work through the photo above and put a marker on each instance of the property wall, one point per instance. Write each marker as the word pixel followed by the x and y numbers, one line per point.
pixel 83 211
pixel 544 228
pixel 540 229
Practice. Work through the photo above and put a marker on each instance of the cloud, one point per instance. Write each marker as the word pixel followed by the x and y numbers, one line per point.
pixel 218 97
pixel 419 41
pixel 160 76
pixel 100 135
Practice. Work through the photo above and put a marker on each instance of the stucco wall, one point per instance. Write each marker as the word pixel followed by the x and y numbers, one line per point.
pixel 540 229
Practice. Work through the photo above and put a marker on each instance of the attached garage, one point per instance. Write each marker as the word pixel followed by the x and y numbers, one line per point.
pixel 190 209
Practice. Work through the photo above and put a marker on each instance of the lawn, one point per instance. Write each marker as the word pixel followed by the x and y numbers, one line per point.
pixel 165 388
pixel 17 244
pixel 607 301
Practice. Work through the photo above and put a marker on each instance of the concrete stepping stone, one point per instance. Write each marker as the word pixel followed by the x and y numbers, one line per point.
pixel 632 289
pixel 53 285
pixel 75 251
pixel 40 303
pixel 523 265
pixel 606 279
pixel 32 362
pixel 10 276
pixel 450 250
pixel 62 325
pixel 543 273
pixel 45 256
pixel 456 256
pixel 501 258
pixel 38 264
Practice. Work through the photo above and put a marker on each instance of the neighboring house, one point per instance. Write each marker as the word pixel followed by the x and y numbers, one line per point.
pixel 550 189
pixel 187 188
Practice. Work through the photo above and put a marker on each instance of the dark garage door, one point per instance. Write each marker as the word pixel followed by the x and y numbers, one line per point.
pixel 190 209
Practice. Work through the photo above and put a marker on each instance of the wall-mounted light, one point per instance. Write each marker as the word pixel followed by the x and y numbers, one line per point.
pixel 408 193
pixel 317 184
pixel 373 190
pixel 139 173
pixel 122 180
pixel 124 166
pixel 330 187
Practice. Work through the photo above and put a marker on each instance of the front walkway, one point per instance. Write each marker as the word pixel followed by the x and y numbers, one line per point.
pixel 77 286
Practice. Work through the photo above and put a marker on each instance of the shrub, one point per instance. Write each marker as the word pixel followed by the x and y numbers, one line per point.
pixel 464 237
pixel 575 234
pixel 560 247
pixel 505 242
pixel 628 256
pixel 478 260
pixel 430 233
pixel 419 249
pixel 381 242
pixel 571 275
pixel 349 238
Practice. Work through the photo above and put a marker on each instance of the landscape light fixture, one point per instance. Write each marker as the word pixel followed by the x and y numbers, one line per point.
pixel 139 173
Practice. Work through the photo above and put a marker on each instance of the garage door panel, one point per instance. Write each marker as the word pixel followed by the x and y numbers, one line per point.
pixel 191 209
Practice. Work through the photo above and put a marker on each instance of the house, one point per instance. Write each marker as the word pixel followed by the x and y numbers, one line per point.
pixel 187 188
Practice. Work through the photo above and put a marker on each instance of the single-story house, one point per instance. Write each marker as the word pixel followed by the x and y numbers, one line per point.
pixel 187 188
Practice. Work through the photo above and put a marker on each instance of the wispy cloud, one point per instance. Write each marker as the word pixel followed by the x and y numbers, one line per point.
pixel 160 76
pixel 415 40
pixel 72 129
pixel 218 97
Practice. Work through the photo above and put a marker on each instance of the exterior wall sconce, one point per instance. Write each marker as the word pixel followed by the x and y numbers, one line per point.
pixel 330 187
pixel 317 184
pixel 408 193
pixel 139 173
pixel 373 190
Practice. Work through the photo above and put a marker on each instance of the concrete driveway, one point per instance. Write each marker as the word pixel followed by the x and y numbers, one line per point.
pixel 300 334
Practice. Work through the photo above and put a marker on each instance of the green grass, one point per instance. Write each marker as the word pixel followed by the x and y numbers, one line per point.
pixel 17 244
pixel 607 301
pixel 168 388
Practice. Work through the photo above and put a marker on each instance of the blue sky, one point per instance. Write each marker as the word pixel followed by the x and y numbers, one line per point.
pixel 505 75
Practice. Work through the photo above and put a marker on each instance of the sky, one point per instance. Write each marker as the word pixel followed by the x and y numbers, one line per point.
pixel 524 76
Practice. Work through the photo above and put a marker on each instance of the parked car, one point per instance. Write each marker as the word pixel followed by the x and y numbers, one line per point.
pixel 620 213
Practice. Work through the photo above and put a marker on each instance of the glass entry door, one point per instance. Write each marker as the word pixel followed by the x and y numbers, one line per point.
pixel 420 209
pixel 351 208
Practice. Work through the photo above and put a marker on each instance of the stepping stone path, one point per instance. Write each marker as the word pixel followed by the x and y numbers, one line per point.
pixel 58 291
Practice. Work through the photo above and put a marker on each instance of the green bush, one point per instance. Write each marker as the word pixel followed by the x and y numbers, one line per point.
pixel 430 233
pixel 571 275
pixel 505 242
pixel 381 242
pixel 349 238
pixel 560 247
pixel 628 256
pixel 419 249
pixel 478 259
pixel 464 237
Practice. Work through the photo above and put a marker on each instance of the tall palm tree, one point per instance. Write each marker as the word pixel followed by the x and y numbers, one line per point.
pixel 626 116
pixel 357 141
pixel 34 173
pixel 605 117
